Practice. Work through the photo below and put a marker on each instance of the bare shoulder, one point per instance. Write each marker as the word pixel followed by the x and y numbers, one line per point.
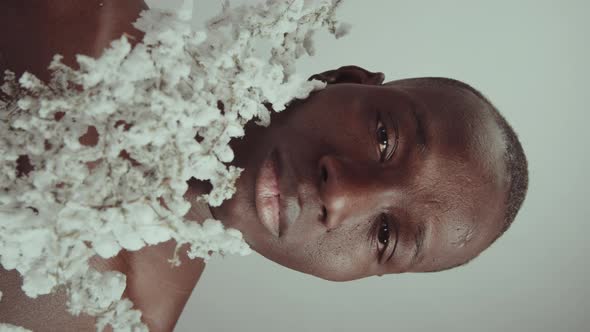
pixel 156 287
pixel 45 313
pixel 32 31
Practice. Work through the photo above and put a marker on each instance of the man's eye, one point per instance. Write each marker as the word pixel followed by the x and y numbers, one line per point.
pixel 383 236
pixel 382 139
pixel 386 139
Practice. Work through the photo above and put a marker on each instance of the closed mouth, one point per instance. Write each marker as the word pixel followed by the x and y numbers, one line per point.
pixel 268 193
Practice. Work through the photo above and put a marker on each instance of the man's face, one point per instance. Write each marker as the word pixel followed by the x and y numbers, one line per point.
pixel 363 180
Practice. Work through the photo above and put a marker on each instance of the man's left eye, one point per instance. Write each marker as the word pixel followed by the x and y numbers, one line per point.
pixel 382 139
pixel 386 138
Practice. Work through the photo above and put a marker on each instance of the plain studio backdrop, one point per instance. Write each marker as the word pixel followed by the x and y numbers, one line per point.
pixel 531 58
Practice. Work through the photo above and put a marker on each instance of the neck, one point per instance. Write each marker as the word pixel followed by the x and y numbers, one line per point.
pixel 157 288
pixel 200 210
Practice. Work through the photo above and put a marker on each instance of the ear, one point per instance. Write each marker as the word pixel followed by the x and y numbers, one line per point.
pixel 350 74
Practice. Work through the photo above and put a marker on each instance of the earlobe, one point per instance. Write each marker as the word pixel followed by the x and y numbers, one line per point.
pixel 350 74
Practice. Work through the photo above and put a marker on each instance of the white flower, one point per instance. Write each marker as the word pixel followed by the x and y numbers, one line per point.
pixel 12 328
pixel 149 100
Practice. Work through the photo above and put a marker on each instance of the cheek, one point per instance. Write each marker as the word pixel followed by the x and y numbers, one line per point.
pixel 337 257
pixel 344 130
pixel 342 259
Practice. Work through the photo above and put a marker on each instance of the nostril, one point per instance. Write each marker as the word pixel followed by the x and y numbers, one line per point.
pixel 324 174
pixel 324 214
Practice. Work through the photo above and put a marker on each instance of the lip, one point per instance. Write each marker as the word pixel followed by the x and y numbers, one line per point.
pixel 277 209
pixel 268 193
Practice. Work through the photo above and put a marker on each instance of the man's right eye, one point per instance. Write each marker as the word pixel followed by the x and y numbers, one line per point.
pixel 383 231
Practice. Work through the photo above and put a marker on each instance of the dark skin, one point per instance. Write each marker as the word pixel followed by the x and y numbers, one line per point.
pixel 370 172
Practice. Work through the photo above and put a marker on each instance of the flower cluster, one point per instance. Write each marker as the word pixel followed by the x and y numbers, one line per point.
pixel 149 102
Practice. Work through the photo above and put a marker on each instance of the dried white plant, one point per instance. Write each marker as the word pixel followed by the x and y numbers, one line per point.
pixel 12 328
pixel 149 100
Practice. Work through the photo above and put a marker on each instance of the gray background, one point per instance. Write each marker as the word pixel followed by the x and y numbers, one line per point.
pixel 531 59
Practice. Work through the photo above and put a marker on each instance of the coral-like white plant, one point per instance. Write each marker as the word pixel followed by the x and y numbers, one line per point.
pixel 150 101
pixel 12 328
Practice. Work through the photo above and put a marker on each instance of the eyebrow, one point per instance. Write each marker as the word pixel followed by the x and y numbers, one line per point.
pixel 418 243
pixel 420 133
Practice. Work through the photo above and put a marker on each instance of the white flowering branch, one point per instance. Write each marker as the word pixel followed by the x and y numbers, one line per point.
pixel 148 101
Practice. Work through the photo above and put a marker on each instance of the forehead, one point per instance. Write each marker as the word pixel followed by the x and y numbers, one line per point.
pixel 459 182
pixel 459 210
pixel 462 127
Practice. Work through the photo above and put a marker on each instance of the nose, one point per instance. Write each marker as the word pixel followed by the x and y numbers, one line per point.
pixel 347 190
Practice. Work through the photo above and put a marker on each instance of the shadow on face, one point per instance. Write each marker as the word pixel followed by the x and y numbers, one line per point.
pixel 364 178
